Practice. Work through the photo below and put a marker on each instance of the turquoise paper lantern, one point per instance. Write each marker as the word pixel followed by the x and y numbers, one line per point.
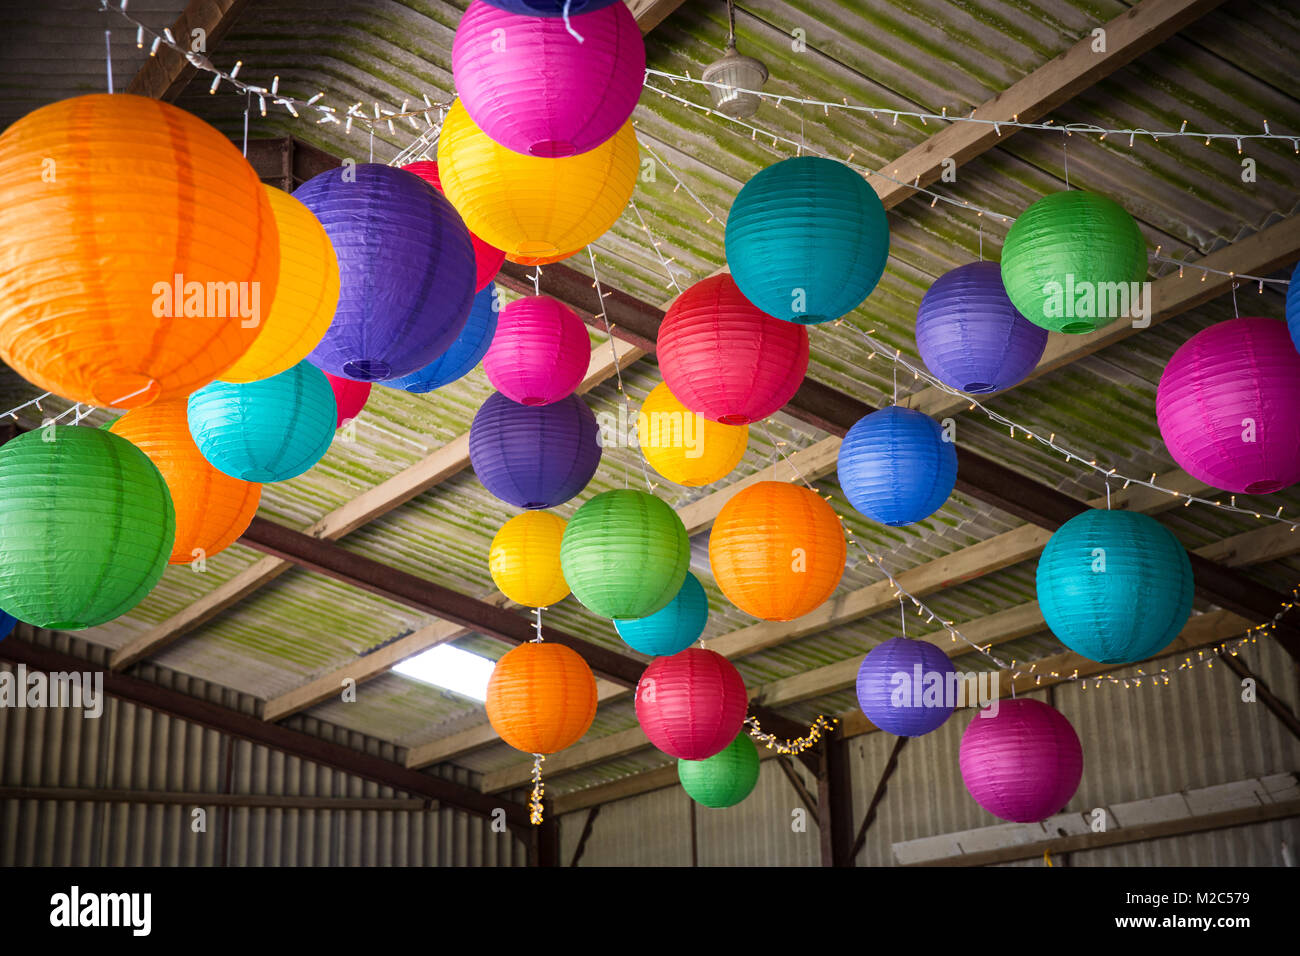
pixel 269 430
pixel 724 779
pixel 673 628
pixel 1114 586
pixel 807 240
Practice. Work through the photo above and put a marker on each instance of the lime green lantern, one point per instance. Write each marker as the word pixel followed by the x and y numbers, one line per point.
pixel 724 779
pixel 86 527
pixel 624 554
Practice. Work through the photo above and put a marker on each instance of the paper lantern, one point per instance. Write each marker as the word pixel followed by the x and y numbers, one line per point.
pixel 807 239
pixel 530 206
pixel 487 257
pixel 691 705
pixel 271 430
pixel 1293 306
pixel 212 508
pixel 726 359
pixel 1024 764
pixel 7 624
pixel 349 396
pixel 465 353
pixel 905 687
pixel 896 467
pixel 123 221
pixel 625 554
pixel 1071 262
pixel 724 779
pixel 970 335
pixel 551 8
pixel 1228 406
pixel 540 352
pixel 1114 586
pixel 541 697
pixel 406 271
pixel 536 89
pixel 525 559
pixel 86 526
pixel 674 627
pixel 535 457
pixel 305 297
pixel 684 446
pixel 777 550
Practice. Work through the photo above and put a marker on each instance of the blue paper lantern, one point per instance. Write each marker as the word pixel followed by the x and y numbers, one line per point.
pixel 550 8
pixel 906 687
pixel 896 467
pixel 672 628
pixel 807 240
pixel 1114 586
pixel 1293 306
pixel 7 624
pixel 465 353
pixel 406 271
pixel 269 430
pixel 970 335
pixel 534 456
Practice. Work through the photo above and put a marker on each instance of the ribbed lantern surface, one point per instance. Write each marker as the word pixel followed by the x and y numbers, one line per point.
pixel 524 559
pixel 904 687
pixel 541 697
pixel 672 628
pixel 724 779
pixel 895 466
pixel 691 705
pixel 684 446
pixel 487 257
pixel 465 353
pixel 1023 765
pixel 534 457
pixel 540 352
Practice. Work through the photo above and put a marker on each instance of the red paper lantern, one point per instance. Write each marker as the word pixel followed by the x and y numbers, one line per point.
pixel 691 705
pixel 487 257
pixel 350 396
pixel 726 359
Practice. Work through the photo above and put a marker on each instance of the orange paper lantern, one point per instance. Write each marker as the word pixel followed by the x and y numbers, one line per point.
pixel 541 697
pixel 212 508
pixel 138 251
pixel 777 550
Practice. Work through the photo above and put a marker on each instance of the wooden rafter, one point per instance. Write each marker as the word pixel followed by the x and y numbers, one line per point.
pixel 164 75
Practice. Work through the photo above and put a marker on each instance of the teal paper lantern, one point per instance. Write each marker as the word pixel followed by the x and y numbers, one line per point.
pixel 1073 262
pixel 86 527
pixel 807 240
pixel 269 430
pixel 724 779
pixel 624 554
pixel 1114 586
pixel 672 629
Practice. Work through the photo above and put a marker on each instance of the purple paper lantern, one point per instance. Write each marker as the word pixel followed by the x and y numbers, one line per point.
pixel 533 87
pixel 970 335
pixel 906 687
pixel 1228 406
pixel 406 271
pixel 534 457
pixel 1024 764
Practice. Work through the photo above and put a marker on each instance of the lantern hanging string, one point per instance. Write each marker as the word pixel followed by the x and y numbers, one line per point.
pixel 943 116
pixel 895 355
pixel 108 57
pixel 537 626
pixel 655 244
pixel 539 788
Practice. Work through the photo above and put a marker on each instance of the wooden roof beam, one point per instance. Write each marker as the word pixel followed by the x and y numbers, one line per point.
pixel 165 74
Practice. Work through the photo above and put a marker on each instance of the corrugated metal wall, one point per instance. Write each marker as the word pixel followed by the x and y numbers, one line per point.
pixel 1137 743
pixel 136 748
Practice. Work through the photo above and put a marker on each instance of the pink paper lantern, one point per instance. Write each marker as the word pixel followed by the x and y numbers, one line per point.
pixel 532 87
pixel 1229 406
pixel 1024 764
pixel 487 257
pixel 540 352
pixel 691 705
pixel 350 396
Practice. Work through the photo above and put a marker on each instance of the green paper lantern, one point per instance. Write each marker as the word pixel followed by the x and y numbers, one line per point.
pixel 624 554
pixel 1073 262
pixel 86 527
pixel 724 779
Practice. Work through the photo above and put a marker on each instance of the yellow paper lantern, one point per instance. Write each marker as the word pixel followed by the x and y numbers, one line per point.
pixel 525 559
pixel 138 251
pixel 683 446
pixel 305 299
pixel 212 508
pixel 535 209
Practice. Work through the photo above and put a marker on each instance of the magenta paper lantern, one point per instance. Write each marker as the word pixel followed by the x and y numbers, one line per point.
pixel 1024 764
pixel 691 705
pixel 540 352
pixel 533 87
pixel 1228 406
pixel 349 396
